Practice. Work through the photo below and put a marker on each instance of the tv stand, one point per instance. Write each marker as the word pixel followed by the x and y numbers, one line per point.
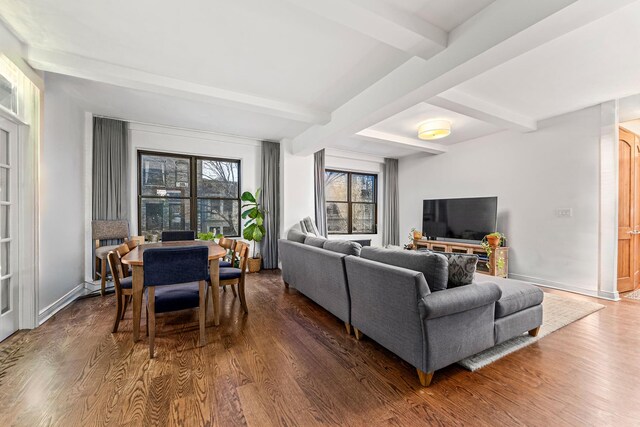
pixel 495 265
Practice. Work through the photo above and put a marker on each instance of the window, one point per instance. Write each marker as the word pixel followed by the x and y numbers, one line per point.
pixel 188 193
pixel 351 202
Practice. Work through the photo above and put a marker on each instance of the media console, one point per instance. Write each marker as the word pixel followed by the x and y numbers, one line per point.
pixel 495 265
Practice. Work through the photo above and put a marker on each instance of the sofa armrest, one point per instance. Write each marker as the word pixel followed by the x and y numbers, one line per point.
pixel 457 300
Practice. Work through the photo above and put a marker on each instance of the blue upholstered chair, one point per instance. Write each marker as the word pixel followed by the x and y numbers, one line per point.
pixel 122 282
pixel 174 236
pixel 235 276
pixel 175 279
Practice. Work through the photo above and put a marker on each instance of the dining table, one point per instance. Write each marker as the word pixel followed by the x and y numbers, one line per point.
pixel 135 259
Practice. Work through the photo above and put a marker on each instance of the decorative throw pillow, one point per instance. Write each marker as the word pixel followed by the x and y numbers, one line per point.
pixel 462 267
pixel 318 242
pixel 343 246
pixel 296 236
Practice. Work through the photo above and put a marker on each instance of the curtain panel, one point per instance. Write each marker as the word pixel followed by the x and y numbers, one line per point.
pixel 390 224
pixel 318 178
pixel 270 200
pixel 110 156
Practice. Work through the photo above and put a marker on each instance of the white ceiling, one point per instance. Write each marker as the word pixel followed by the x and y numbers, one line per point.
pixel 356 75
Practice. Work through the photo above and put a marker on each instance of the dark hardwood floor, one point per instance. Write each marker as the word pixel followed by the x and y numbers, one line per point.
pixel 289 362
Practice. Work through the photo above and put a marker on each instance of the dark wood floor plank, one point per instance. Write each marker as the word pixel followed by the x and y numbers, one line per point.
pixel 290 362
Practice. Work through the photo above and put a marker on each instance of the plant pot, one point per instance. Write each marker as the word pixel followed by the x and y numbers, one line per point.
pixel 254 264
pixel 494 241
pixel 417 235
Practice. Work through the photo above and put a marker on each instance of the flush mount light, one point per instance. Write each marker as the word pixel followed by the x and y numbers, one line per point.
pixel 434 129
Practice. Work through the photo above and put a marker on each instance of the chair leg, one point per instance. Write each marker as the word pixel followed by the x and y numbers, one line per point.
pixel 103 279
pixel 202 312
pixel 127 300
pixel 146 318
pixel 233 288
pixel 224 288
pixel 119 312
pixel 151 320
pixel 425 377
pixel 96 267
pixel 243 300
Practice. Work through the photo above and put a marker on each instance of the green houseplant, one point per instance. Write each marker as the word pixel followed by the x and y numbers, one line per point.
pixel 491 241
pixel 254 229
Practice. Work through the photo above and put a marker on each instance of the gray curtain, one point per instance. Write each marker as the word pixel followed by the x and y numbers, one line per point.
pixel 110 185
pixel 390 225
pixel 270 200
pixel 318 178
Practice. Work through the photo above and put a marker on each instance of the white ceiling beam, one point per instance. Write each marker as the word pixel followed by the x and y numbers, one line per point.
pixel 382 22
pixel 503 30
pixel 401 141
pixel 462 103
pixel 104 72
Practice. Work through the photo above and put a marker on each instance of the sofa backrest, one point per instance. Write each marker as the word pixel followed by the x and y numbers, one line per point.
pixel 317 273
pixel 385 305
pixel 434 266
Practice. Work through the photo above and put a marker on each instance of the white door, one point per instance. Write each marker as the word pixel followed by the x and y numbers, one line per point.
pixel 9 301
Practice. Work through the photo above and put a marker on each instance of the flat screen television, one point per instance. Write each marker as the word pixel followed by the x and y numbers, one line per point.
pixel 461 219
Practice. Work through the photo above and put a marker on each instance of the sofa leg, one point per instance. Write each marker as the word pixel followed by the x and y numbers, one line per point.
pixel 425 377
pixel 534 332
pixel 347 326
pixel 358 333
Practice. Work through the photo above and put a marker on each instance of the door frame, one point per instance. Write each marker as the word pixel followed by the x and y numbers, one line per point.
pixel 28 222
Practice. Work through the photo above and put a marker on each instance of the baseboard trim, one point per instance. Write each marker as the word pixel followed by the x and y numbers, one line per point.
pixel 46 313
pixel 613 296
pixel 564 287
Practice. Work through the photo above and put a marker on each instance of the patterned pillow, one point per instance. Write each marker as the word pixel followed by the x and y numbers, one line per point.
pixel 462 267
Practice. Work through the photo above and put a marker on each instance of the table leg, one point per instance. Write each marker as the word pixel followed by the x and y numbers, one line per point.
pixel 214 270
pixel 138 288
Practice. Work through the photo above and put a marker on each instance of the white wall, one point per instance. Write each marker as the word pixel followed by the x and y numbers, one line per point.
pixel 61 195
pixel 533 174
pixel 171 140
pixel 297 188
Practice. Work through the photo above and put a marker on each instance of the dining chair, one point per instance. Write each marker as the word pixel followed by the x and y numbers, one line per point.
pixel 101 231
pixel 121 283
pixel 175 279
pixel 175 236
pixel 229 245
pixel 235 276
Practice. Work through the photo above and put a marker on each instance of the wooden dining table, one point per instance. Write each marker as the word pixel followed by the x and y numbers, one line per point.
pixel 136 260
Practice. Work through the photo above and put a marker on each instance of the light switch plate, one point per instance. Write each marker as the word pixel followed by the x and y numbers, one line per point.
pixel 564 212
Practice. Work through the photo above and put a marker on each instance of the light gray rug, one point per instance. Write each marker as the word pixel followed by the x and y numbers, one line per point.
pixel 633 295
pixel 558 311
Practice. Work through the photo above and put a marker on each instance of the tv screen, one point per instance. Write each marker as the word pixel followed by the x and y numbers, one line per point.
pixel 464 219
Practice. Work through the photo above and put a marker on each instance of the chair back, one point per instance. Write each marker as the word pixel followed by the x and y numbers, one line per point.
pixel 229 245
pixel 175 236
pixel 132 244
pixel 121 251
pixel 171 266
pixel 241 252
pixel 109 230
pixel 116 269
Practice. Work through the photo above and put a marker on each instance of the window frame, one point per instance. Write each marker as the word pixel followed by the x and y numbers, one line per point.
pixel 193 187
pixel 350 203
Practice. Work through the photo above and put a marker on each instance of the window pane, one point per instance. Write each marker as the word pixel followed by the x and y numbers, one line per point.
pixel 157 215
pixel 5 294
pixel 219 216
pixel 8 95
pixel 363 218
pixel 4 184
pixel 4 147
pixel 363 188
pixel 4 221
pixel 335 186
pixel 5 267
pixel 217 178
pixel 164 176
pixel 337 217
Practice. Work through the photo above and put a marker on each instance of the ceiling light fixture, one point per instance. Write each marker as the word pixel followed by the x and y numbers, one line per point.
pixel 434 129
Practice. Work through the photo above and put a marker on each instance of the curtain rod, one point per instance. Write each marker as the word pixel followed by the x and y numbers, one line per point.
pixel 183 128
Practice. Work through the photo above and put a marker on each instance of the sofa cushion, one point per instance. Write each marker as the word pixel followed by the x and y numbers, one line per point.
pixel 462 268
pixel 343 246
pixel 432 265
pixel 516 296
pixel 318 242
pixel 296 236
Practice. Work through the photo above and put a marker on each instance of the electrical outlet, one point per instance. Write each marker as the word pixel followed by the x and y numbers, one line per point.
pixel 564 212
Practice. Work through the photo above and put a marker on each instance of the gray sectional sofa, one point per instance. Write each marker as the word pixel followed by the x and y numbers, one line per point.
pixel 400 299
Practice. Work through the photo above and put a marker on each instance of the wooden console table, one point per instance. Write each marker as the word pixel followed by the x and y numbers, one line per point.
pixel 496 265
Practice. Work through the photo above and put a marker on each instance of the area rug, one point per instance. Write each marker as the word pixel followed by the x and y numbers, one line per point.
pixel 558 312
pixel 633 295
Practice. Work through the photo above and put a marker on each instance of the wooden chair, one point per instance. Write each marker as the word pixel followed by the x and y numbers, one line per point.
pixel 235 276
pixel 102 231
pixel 176 236
pixel 175 279
pixel 229 245
pixel 121 283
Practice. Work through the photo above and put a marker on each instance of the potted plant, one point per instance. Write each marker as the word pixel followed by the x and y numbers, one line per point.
pixel 416 234
pixel 492 241
pixel 254 229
